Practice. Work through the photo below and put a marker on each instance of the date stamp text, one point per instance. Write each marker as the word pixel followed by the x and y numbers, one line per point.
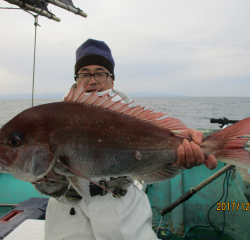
pixel 233 206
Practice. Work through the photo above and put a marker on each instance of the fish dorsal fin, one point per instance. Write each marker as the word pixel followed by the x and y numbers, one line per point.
pixel 79 96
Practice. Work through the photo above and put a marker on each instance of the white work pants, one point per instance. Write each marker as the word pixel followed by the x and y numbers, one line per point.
pixel 104 218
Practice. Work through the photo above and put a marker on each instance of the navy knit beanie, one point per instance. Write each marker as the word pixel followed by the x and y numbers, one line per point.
pixel 94 52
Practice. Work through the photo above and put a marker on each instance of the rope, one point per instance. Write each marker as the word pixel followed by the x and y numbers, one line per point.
pixel 159 226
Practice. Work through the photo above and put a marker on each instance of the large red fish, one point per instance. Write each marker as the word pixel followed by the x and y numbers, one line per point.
pixel 99 137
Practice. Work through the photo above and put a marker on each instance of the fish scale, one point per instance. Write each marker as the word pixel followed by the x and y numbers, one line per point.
pixel 148 146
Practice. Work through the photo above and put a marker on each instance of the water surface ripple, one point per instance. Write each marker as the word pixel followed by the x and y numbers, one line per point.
pixel 195 112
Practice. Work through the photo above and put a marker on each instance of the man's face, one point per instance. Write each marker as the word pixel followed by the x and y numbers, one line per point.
pixel 94 85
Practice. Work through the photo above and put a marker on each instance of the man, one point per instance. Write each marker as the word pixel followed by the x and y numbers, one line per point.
pixel 97 216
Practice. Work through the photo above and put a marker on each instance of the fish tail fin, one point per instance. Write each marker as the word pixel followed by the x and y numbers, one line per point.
pixel 232 144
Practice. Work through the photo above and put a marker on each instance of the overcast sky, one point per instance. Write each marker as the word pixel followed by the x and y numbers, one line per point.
pixel 189 47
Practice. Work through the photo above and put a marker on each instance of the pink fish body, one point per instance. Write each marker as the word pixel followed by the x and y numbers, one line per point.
pixel 99 138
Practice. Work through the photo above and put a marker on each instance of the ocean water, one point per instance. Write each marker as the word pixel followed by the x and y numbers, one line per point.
pixel 195 112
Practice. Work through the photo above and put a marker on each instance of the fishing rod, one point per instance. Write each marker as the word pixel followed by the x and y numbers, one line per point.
pixel 192 191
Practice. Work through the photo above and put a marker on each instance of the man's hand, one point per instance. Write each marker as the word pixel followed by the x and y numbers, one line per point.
pixel 190 154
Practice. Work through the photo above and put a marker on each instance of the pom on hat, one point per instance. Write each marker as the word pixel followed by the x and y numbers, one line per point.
pixel 94 52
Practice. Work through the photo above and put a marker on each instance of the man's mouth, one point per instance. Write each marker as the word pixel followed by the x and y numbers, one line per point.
pixel 92 89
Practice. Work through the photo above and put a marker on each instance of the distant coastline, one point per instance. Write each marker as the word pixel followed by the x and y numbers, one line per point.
pixel 60 95
pixel 28 96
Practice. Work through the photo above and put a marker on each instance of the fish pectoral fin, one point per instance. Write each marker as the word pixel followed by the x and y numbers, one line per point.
pixel 42 160
pixel 166 172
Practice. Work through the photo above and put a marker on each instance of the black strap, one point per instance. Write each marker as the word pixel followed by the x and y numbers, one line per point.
pixel 96 190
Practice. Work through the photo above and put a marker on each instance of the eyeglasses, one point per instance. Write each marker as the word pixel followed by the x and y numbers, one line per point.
pixel 99 77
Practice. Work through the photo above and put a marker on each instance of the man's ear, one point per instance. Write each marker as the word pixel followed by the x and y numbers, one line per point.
pixel 112 83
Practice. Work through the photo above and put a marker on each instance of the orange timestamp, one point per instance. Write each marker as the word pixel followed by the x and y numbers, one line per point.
pixel 233 206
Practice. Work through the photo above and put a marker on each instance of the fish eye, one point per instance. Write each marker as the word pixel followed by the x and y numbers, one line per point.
pixel 15 141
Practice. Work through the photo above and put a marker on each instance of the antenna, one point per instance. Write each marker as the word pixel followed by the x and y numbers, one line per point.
pixel 34 9
pixel 40 8
pixel 70 8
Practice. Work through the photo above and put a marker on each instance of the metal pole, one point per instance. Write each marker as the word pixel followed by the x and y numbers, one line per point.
pixel 34 9
pixel 34 61
pixel 67 7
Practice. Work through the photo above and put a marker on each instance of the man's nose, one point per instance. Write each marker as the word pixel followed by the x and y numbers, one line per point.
pixel 92 80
